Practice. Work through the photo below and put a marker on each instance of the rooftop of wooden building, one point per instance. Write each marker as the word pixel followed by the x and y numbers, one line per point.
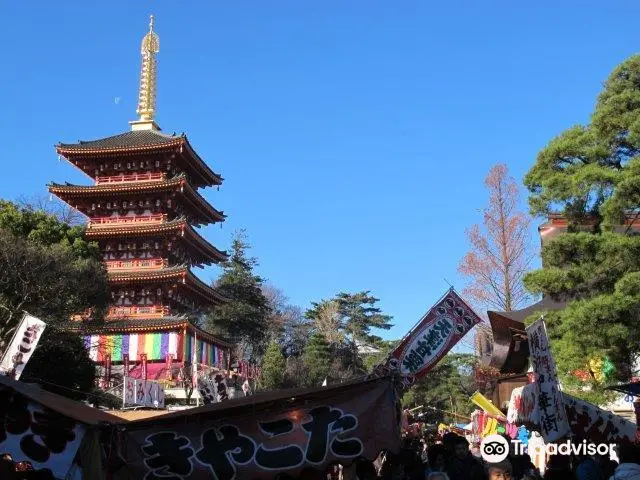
pixel 141 142
pixel 130 325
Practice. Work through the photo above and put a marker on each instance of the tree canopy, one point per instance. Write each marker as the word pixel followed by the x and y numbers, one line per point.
pixel 244 319
pixel 49 270
pixel 590 174
pixel 273 367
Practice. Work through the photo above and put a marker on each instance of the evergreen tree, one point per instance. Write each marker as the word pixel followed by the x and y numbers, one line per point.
pixel 352 316
pixel 243 320
pixel 49 270
pixel 273 367
pixel 317 360
pixel 591 175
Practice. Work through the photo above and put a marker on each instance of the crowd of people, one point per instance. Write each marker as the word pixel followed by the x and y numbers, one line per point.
pixel 451 458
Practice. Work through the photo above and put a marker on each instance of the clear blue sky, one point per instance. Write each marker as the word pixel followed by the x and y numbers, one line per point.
pixel 353 136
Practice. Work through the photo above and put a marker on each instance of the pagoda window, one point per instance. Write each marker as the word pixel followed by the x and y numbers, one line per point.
pixel 157 163
pixel 141 203
pixel 157 245
pixel 93 206
pixel 127 301
pixel 128 166
pixel 108 205
pixel 101 167
pixel 120 246
pixel 159 292
pixel 169 203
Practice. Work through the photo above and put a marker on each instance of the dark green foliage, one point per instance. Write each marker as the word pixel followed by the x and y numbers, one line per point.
pixel 273 368
pixel 346 321
pixel 591 175
pixel 51 272
pixel 356 315
pixel 317 360
pixel 61 365
pixel 447 387
pixel 244 319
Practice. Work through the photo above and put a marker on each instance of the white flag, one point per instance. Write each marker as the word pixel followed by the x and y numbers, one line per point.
pixel 324 384
pixel 22 345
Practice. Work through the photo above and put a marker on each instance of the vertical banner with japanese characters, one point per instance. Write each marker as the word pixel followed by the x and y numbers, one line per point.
pixel 29 432
pixel 553 418
pixel 437 332
pixel 260 438
pixel 22 345
pixel 146 393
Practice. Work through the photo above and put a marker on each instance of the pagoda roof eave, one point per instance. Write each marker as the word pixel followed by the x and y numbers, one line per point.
pixel 178 226
pixel 181 273
pixel 135 142
pixel 201 207
pixel 141 325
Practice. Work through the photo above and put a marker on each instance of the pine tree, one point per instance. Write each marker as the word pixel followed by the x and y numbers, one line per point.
pixel 317 360
pixel 243 320
pixel 590 174
pixel 273 367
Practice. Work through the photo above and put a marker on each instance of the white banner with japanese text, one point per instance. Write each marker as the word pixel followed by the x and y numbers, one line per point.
pixel 32 433
pixel 553 418
pixel 22 345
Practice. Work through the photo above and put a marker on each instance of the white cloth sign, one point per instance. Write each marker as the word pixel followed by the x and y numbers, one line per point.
pixel 41 437
pixel 145 393
pixel 22 345
pixel 553 418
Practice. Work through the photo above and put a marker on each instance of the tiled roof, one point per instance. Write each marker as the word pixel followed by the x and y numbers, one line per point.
pixel 179 226
pixel 123 141
pixel 141 141
pixel 179 184
pixel 89 327
pixel 139 325
pixel 179 271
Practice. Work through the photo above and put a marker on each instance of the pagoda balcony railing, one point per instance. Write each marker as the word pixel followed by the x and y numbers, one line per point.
pixel 140 219
pixel 136 264
pixel 132 177
pixel 151 311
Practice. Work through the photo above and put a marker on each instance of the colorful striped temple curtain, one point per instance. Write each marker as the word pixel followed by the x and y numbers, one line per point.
pixel 156 346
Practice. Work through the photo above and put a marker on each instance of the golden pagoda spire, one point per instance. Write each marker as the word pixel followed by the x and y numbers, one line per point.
pixel 147 95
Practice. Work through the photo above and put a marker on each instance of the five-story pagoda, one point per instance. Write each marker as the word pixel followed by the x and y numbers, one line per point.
pixel 142 211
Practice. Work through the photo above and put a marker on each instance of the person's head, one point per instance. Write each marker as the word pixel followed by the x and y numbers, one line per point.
pixel 499 471
pixel 448 440
pixel 438 476
pixel 629 453
pixel 436 455
pixel 461 448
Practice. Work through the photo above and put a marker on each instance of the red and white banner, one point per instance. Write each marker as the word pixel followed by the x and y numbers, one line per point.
pixel 22 345
pixel 437 332
pixel 553 418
